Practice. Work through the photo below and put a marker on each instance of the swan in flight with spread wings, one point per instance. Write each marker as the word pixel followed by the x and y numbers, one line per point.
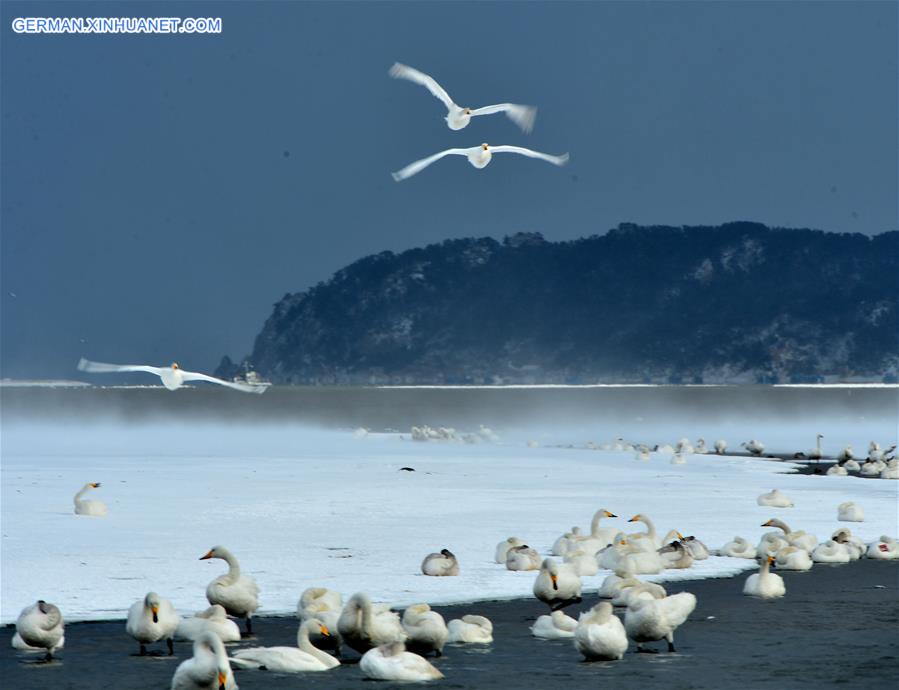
pixel 458 117
pixel 173 377
pixel 478 156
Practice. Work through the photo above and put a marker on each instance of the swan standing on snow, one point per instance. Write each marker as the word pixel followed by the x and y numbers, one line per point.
pixel 303 657
pixel 738 547
pixel 470 629
pixel 801 539
pixel 720 446
pixel 648 619
pixel 522 558
pixel 93 508
pixel 41 626
pixel 393 662
pixel 441 564
pixel 426 630
pixel 173 377
pixel 850 512
pixel 599 635
pixel 502 549
pixel 754 447
pixel 885 549
pixel 207 668
pixel 237 593
pixel 458 117
pixel 765 584
pixel 214 620
pixel 478 156
pixel 775 499
pixel 151 619
pixel 557 585
pixel 555 626
pixel 362 625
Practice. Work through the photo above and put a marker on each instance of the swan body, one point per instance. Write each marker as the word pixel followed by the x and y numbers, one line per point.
pixel 648 619
pixel 599 537
pixel 676 556
pixel 852 465
pixel 393 662
pixel 557 584
pixel 738 547
pixel 831 552
pixel 678 459
pixel 891 471
pixel 872 468
pixel 16 642
pixel 793 558
pixel 93 508
pixel 720 446
pixel 502 549
pixel 854 546
pixel 648 540
pixel 151 619
pixel 208 667
pixel 214 620
pixel 458 117
pixel 641 562
pixel 643 454
pixel 836 471
pixel 600 635
pixel 885 549
pixel 631 588
pixel 765 584
pixel 555 626
pixel 771 543
pixel 754 447
pixel 611 557
pixel 700 448
pixel 304 657
pixel 562 545
pixel 584 564
pixel 800 539
pixel 363 626
pixel 323 605
pixel 850 512
pixel 878 455
pixel 426 630
pixel 522 558
pixel 478 156
pixel 609 587
pixel 815 453
pixel 470 629
pixel 846 454
pixel 41 626
pixel 238 594
pixel 443 564
pixel 173 377
pixel 683 446
pixel 326 599
pixel 775 499
pixel 699 550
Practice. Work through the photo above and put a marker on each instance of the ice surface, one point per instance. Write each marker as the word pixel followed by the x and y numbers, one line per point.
pixel 304 508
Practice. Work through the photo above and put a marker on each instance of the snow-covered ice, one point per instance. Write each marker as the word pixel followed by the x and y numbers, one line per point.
pixel 301 508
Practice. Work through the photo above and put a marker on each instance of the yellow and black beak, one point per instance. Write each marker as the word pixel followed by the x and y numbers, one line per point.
pixel 223 678
pixel 634 519
pixel 209 554
pixel 608 514
pixel 555 581
pixel 324 631
pixel 766 524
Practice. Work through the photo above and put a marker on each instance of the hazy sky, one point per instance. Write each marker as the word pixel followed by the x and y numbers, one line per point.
pixel 159 193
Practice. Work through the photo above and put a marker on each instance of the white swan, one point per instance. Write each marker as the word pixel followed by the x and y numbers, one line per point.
pixel 846 454
pixel 720 446
pixel 304 657
pixel 16 642
pixel 648 540
pixel 393 662
pixel 611 557
pixel 642 454
pixel 425 629
pixel 554 626
pixel 699 550
pixel 443 564
pixel 478 156
pixel 173 377
pixel 836 470
pixel 563 543
pixel 609 587
pixel 584 563
pixel 765 584
pixel 891 471
pixel 522 558
pixel 775 499
pixel 700 448
pixel 502 549
pixel 831 552
pixel 237 593
pixel 599 537
pixel 793 558
pixel 738 547
pixel 635 559
pixel 599 635
pixel 855 546
pixel 557 585
pixel 93 508
pixel 683 446
pixel 885 549
pixel 815 453
pixel 878 455
pixel 801 539
pixel 323 605
pixel 850 512
pixel 678 459
pixel 151 619
pixel 648 619
pixel 754 447
pixel 872 468
pixel 207 668
pixel 458 117
pixel 470 629
pixel 631 588
pixel 852 465
pixel 676 556
pixel 214 620
pixel 41 626
pixel 363 625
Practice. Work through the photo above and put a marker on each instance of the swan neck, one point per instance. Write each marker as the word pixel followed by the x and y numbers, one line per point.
pixel 305 644
pixel 594 524
pixel 81 493
pixel 233 565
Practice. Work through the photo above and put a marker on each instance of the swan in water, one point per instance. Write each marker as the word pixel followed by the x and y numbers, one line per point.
pixel 557 585
pixel 90 507
pixel 648 619
pixel 173 377
pixel 443 564
pixel 554 626
pixel 478 156
pixel 470 629
pixel 599 537
pixel 831 552
pixel 754 447
pixel 522 558
pixel 563 544
pixel 392 662
pixel 836 471
pixel 846 454
pixel 458 117
pixel 207 668
pixel 214 620
pixel 738 547
pixel 363 625
pixel 426 630
pixel 304 657
pixel 151 619
pixel 599 635
pixel 815 453
pixel 775 499
pixel 502 549
pixel 41 626
pixel 720 446
pixel 850 512
pixel 584 563
pixel 676 556
pixel 885 549
pixel 237 593
pixel 765 584
pixel 801 539
pixel 648 540
pixel 793 558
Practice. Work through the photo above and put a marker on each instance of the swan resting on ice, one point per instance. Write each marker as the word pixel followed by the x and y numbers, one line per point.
pixel 214 619
pixel 765 584
pixel 850 512
pixel 441 564
pixel 470 629
pixel 91 507
pixel 555 626
pixel 392 662
pixel 207 668
pixel 304 657
pixel 775 499
pixel 426 630
pixel 151 619
pixel 41 626
pixel 599 634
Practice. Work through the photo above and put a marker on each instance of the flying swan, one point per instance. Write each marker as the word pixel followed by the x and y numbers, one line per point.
pixel 478 156
pixel 173 377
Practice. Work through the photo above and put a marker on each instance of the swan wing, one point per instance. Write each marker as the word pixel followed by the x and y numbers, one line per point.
pixel 677 607
pixel 522 115
pixel 555 160
pixel 104 368
pixel 245 387
pixel 401 71
pixel 418 166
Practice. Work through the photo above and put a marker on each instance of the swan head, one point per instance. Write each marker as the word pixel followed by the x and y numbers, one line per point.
pixel 467 111
pixel 447 553
pixel 485 147
pixel 771 560
pixel 151 601
pixel 95 485
pixel 214 552
pixel 175 365
pixel 608 514
pixel 322 628
pixel 637 518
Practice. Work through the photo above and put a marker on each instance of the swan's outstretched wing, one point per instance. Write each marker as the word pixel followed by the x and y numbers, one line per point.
pixel 521 115
pixel 245 387
pixel 104 368
pixel 400 71
pixel 418 166
pixel 555 160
